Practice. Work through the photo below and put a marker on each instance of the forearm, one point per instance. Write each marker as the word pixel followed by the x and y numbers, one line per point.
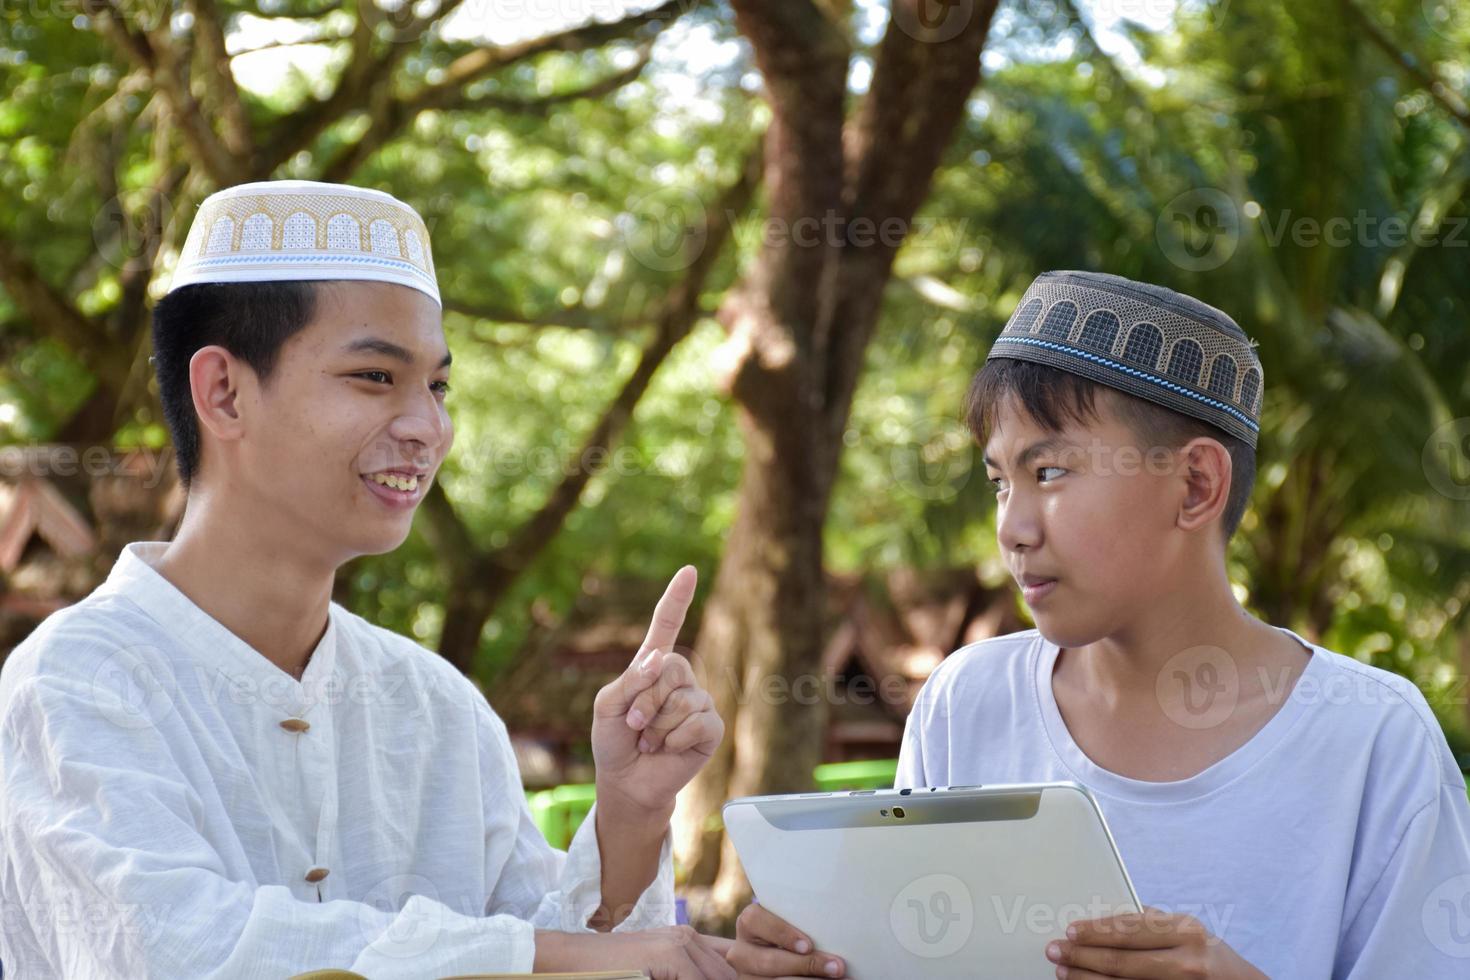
pixel 630 842
pixel 555 951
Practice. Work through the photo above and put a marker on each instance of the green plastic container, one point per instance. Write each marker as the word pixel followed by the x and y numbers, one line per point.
pixel 867 774
pixel 559 811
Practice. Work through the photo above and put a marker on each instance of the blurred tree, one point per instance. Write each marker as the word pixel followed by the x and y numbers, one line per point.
pixel 842 193
pixel 1305 168
pixel 163 70
pixel 160 68
pixel 585 195
pixel 480 577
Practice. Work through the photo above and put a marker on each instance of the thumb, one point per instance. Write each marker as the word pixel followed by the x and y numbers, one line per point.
pixel 617 697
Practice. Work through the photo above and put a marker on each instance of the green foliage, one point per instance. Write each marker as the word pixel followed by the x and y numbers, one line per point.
pixel 1084 133
pixel 1292 116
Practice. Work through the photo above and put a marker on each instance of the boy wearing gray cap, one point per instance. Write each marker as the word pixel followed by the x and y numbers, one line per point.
pixel 1282 809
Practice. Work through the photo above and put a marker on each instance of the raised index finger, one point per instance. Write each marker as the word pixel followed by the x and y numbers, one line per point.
pixel 668 615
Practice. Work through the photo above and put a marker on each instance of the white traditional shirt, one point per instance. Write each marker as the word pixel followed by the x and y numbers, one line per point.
pixel 172 804
pixel 1335 843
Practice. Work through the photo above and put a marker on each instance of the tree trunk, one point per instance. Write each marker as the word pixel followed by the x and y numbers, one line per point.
pixel 478 578
pixel 761 633
pixel 800 323
pixel 468 602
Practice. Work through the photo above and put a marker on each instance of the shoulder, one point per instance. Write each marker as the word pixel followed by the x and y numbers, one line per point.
pixel 103 630
pixel 993 668
pixel 1382 715
pixel 90 674
pixel 975 662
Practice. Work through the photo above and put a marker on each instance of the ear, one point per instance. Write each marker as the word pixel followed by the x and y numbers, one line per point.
pixel 1206 468
pixel 215 376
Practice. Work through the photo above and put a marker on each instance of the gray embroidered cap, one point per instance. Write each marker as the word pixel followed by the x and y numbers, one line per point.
pixel 1141 339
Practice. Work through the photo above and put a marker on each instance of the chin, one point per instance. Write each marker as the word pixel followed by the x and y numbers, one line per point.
pixel 1067 634
pixel 385 540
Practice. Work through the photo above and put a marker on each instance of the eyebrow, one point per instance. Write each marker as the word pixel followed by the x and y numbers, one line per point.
pixel 1025 455
pixel 376 345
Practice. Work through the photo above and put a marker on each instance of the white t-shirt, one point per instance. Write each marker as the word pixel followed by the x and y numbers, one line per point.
pixel 157 820
pixel 1335 843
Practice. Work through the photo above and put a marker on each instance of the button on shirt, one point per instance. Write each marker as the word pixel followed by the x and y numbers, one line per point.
pixel 172 804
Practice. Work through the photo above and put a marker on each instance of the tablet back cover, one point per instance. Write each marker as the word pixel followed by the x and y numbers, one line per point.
pixel 967 884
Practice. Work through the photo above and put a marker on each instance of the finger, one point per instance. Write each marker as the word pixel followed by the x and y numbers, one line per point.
pixel 1131 930
pixel 617 699
pixel 676 708
pixel 718 944
pixel 1137 964
pixel 710 961
pixel 760 925
pixel 687 968
pixel 668 615
pixel 700 732
pixel 674 674
pixel 769 961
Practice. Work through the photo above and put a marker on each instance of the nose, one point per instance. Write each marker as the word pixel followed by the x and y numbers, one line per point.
pixel 1017 522
pixel 427 423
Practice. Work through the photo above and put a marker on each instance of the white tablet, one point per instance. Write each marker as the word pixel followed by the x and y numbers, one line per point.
pixel 966 881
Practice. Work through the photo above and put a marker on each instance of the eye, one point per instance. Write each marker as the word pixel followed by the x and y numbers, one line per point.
pixel 995 483
pixel 442 387
pixel 378 377
pixel 1045 469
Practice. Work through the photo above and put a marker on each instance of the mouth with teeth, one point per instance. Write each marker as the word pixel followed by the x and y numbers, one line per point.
pixel 396 489
pixel 408 483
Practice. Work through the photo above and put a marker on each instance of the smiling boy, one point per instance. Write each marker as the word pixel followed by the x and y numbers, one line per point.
pixel 208 769
pixel 1283 810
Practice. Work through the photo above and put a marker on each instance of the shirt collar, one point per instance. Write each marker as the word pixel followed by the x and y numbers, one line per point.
pixel 134 578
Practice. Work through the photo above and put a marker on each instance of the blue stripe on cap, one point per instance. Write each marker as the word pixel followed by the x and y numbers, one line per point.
pixel 1108 362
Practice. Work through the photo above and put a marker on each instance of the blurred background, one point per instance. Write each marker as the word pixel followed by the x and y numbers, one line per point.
pixel 716 276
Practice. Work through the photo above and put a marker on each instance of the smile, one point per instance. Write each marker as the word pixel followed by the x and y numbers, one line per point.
pixel 408 483
pixel 398 491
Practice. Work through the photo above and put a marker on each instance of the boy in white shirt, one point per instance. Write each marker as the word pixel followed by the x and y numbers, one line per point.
pixel 1283 810
pixel 208 769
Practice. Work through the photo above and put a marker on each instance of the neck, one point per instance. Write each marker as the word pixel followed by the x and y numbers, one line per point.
pixel 1200 623
pixel 269 593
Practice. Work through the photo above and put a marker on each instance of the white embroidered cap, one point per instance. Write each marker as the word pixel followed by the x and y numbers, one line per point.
pixel 301 229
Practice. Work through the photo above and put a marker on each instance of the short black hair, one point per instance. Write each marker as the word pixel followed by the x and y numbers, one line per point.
pixel 1053 397
pixel 251 320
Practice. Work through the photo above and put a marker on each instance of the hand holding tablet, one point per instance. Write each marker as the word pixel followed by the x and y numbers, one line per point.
pixel 941 883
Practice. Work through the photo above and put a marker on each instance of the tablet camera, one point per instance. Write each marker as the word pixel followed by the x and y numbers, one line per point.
pixel 898 812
